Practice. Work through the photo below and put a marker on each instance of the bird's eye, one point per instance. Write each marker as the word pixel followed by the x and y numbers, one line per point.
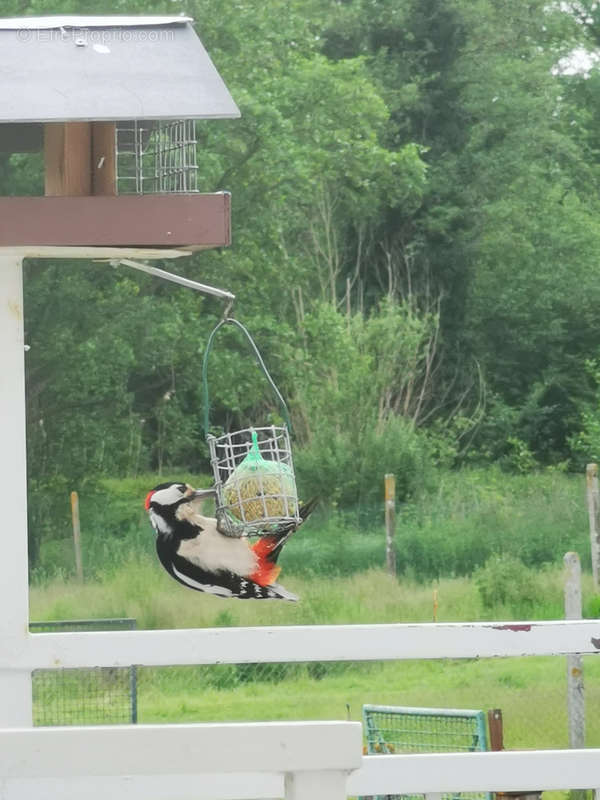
pixel 182 488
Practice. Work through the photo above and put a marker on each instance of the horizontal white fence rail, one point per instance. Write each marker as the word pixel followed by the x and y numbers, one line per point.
pixel 524 770
pixel 311 760
pixel 300 643
pixel 179 749
pixel 301 761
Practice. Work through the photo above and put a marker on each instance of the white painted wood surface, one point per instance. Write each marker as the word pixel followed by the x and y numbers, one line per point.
pixel 179 749
pixel 522 770
pixel 430 773
pixel 15 688
pixel 212 786
pixel 318 785
pixel 102 253
pixel 305 643
pixel 575 688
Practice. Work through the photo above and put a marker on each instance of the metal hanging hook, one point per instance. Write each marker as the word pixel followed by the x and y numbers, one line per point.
pixel 187 282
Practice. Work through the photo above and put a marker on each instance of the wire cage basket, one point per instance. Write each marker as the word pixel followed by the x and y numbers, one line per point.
pixel 254 480
pixel 156 156
pixel 253 470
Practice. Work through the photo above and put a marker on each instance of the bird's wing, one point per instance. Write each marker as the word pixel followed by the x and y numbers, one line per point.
pixel 222 583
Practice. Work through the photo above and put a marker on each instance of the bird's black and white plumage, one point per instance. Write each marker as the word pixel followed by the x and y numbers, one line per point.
pixel 194 552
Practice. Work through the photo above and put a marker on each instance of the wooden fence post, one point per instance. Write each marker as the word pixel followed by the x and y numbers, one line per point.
pixel 593 504
pixel 76 534
pixel 496 729
pixel 390 522
pixel 575 695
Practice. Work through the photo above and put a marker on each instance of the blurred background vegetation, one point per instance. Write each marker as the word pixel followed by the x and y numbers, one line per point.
pixel 416 237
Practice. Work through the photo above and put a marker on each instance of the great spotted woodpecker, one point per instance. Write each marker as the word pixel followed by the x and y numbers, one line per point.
pixel 194 552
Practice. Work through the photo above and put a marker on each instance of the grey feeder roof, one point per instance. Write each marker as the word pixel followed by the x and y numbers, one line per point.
pixel 55 69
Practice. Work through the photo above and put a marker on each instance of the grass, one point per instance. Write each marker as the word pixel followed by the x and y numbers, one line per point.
pixel 530 692
pixel 141 589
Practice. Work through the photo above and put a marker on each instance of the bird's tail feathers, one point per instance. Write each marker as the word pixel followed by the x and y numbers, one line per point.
pixel 307 508
pixel 268 548
pixel 281 593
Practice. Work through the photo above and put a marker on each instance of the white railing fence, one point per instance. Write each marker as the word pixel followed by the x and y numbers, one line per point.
pixel 296 760
pixel 296 643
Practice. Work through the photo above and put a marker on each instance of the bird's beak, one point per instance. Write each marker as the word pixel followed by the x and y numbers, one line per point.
pixel 203 494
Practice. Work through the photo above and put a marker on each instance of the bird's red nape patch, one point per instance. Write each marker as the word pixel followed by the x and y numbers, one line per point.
pixel 147 501
pixel 266 572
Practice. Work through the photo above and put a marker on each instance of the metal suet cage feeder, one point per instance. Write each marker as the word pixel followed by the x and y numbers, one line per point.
pixel 252 468
pixel 156 157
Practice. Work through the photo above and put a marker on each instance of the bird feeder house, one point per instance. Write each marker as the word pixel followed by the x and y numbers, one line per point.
pixel 112 104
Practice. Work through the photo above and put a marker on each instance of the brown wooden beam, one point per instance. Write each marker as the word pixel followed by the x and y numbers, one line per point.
pixel 104 158
pixel 68 158
pixel 154 220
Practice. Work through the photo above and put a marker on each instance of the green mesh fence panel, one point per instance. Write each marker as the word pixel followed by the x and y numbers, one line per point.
pixel 96 696
pixel 396 729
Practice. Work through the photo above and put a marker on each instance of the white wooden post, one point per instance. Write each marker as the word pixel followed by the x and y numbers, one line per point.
pixel 575 693
pixel 15 684
pixel 593 504
pixel 76 535
pixel 390 522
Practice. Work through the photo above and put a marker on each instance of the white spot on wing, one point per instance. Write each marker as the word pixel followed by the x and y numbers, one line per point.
pixel 219 591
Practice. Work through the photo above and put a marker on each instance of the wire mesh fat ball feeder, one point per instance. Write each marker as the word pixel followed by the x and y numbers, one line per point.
pixel 252 468
pixel 153 157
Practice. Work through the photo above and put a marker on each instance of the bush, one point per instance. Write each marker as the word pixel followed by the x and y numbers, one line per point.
pixel 347 468
pixel 476 513
pixel 505 580
pixel 592 608
pixel 357 389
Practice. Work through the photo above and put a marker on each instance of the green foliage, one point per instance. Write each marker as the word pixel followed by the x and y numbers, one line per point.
pixel 505 580
pixel 359 407
pixel 346 467
pixel 592 607
pixel 475 514
pixel 585 444
pixel 520 457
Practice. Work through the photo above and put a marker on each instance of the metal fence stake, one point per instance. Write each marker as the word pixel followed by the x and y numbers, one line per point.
pixel 575 693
